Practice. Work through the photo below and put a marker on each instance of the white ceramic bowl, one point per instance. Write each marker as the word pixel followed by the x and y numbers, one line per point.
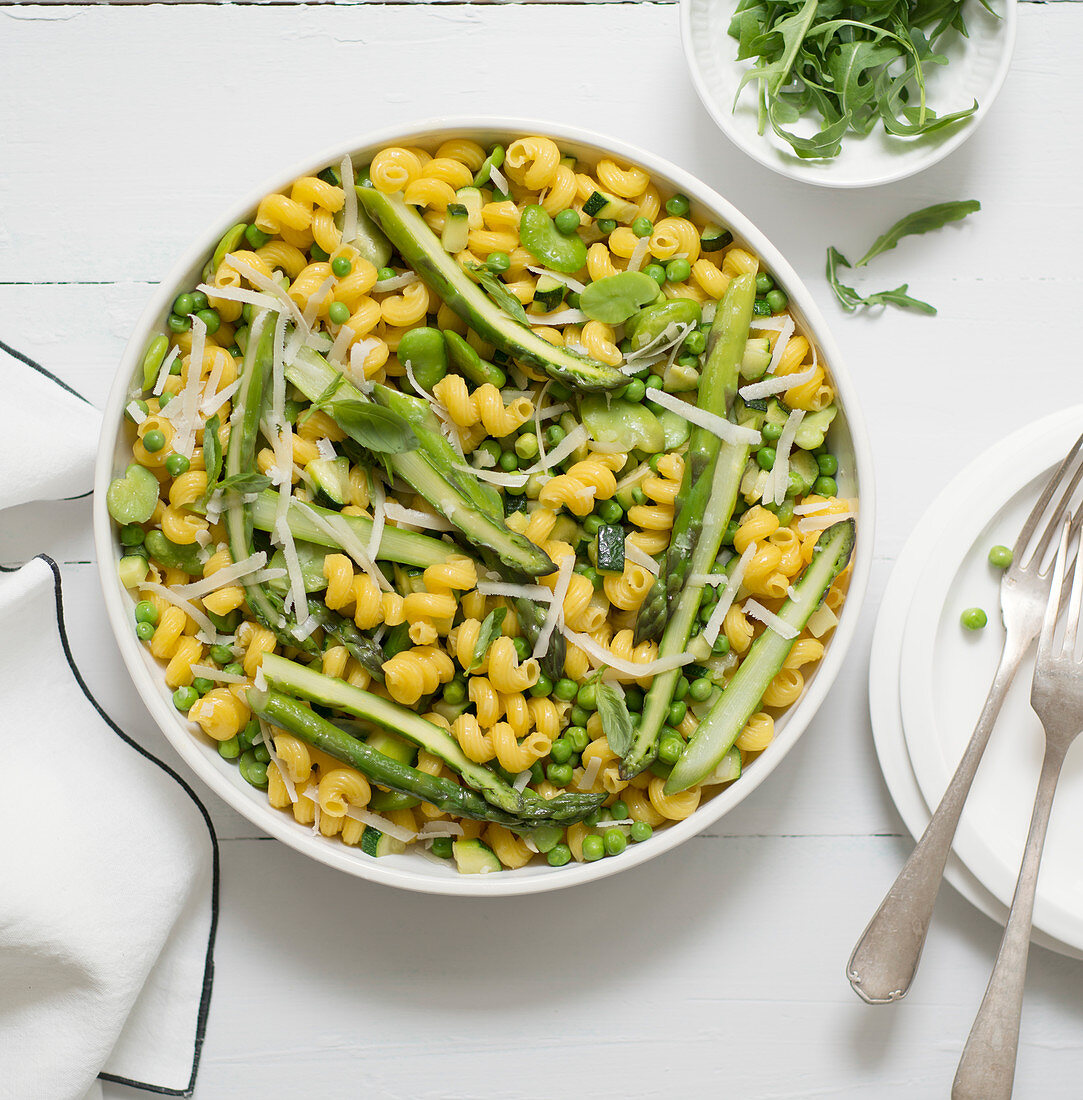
pixel 413 871
pixel 977 66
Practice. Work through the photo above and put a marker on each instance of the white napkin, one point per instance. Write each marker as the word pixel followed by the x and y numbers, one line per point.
pixel 108 863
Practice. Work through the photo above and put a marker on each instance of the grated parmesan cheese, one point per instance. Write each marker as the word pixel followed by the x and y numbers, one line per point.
pixel 559 317
pixel 757 611
pixel 366 817
pixel 619 665
pixel 778 480
pixel 349 207
pixel 640 557
pixel 572 284
pixel 208 672
pixel 821 523
pixel 504 588
pixel 779 383
pixel 717 425
pixel 136 413
pixel 590 774
pixel 728 595
pixel 414 516
pixel 554 618
pixel 163 374
pixel 639 253
pixel 207 633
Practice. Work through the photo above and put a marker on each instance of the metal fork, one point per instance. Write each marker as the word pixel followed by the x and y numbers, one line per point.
pixel 987 1067
pixel 886 957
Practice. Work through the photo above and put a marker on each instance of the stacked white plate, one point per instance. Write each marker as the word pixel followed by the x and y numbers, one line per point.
pixel 929 677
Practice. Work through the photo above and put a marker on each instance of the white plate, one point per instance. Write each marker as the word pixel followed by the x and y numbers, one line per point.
pixel 976 69
pixel 885 708
pixel 945 673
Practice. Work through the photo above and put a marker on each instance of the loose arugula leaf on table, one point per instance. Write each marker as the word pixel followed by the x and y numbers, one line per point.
pixel 498 292
pixel 849 298
pixel 616 721
pixel 490 630
pixel 921 221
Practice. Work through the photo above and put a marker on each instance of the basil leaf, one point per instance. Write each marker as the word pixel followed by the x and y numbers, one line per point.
pixel 212 454
pixel 377 429
pixel 921 221
pixel 617 723
pixel 489 632
pixel 850 299
pixel 498 292
pixel 324 399
pixel 243 484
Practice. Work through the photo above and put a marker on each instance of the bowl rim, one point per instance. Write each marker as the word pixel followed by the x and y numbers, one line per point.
pixel 283 827
pixel 761 152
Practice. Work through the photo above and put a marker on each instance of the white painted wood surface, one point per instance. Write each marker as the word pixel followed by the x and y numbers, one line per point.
pixel 718 969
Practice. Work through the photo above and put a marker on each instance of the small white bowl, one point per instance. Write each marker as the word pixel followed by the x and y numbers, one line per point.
pixel 413 871
pixel 976 69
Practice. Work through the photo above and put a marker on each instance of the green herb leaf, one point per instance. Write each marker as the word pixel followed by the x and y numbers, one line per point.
pixel 850 299
pixel 498 292
pixel 377 429
pixel 921 221
pixel 489 632
pixel 212 454
pixel 617 723
pixel 324 398
pixel 243 484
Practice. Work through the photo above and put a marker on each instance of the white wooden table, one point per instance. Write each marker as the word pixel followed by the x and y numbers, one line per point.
pixel 715 970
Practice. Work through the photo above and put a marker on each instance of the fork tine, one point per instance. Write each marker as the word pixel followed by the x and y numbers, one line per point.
pixel 1071 628
pixel 1052 607
pixel 1046 496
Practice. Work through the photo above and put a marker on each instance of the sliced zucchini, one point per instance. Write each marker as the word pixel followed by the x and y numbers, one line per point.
pixel 777 413
pixel 803 472
pixel 729 769
pixel 310 558
pixel 813 428
pixel 740 698
pixel 374 843
pixel 420 249
pixel 472 857
pixel 757 358
pixel 548 293
pixel 714 237
pixel 368 240
pixel 329 479
pixel 386 742
pixel 610 556
pixel 456 235
pixel 603 205
pixel 473 200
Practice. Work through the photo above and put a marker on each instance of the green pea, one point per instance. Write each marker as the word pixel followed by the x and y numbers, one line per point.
pixel 441 847
pixel 318 254
pixel 526 446
pixel 764 283
pixel 174 368
pixel 202 684
pixel 635 391
pixel 619 810
pixel 678 270
pixel 592 575
pixel 777 300
pixel 771 432
pixel 522 650
pixel 973 618
pixel 235 351
pixel 184 698
pixel 695 343
pixel 146 612
pixel 455 692
pixel 579 716
pixel 731 533
pixel 131 534
pixel 338 313
pixel 176 464
pixel 577 737
pixel 642 227
pixel 211 319
pixel 252 770
pixel 498 262
pixel 705 611
pixel 785 513
pixel 229 750
pixel 183 305
pixel 144 631
pixel 560 751
pixel 592 819
pixel 221 655
pixel 491 448
pixel 721 646
pixel 633 696
pixel 248 311
pixel 560 775
pixel 567 222
pixel 670 748
pixel 256 237
pixel 537 772
pixel 554 435
pixel 165 399
pixel 234 668
pixel 199 301
pixel 543 688
pixel 641 831
pixel 593 848
pixel 765 458
pixel 341 266
pixel 611 512
pixel 678 206
pixel 677 712
pixel 701 690
pixel 176 323
pixel 248 735
pixel 558 855
pixel 825 486
pixel 614 841
pixel 999 556
pixel 566 690
pixel 827 464
pixel 141 405
pixel 386 273
pixel 154 440
pixel 606 225
pixel 587 698
pixel 509 462
pixel 261 753
pixel 593 524
pixel 657 272
pixel 681 690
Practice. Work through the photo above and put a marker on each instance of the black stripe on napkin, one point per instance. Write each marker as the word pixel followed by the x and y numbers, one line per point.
pixel 208 969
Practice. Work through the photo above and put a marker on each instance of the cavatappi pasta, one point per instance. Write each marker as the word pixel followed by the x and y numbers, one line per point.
pixel 453 642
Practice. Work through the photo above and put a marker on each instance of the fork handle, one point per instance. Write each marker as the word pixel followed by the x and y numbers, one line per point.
pixel 886 957
pixel 987 1068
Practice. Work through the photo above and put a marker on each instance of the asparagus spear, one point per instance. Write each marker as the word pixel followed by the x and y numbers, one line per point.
pixel 717 392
